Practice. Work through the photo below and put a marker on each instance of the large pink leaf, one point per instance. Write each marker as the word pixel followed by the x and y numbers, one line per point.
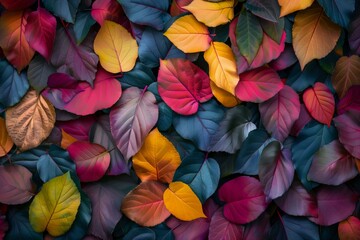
pixel 299 124
pixel 297 201
pixel 351 100
pixel 221 228
pixel 334 204
pixel 132 118
pixel 91 159
pixel 279 113
pixel 332 165
pixel 183 85
pixel 348 126
pixel 40 31
pixel 16 186
pixel 66 93
pixel 244 199
pixel 78 128
pixel 320 103
pixel 276 170
pixel 258 85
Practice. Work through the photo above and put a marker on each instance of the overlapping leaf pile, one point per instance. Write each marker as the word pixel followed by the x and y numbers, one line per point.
pixel 183 119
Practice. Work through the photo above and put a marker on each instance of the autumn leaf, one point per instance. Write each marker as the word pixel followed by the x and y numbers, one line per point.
pixel 5 141
pixel 290 6
pixel 224 97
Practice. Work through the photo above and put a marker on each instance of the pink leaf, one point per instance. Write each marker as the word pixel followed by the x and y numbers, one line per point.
pixel 279 113
pixel 299 124
pixel 40 31
pixel 107 10
pixel 244 199
pixel 78 128
pixel 91 159
pixel 258 85
pixel 221 228
pixel 183 85
pixel 351 100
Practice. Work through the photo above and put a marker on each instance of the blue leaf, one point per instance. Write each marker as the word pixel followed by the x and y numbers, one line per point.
pixel 313 136
pixel 140 233
pixel 184 147
pixel 165 117
pixel 38 72
pixel 65 9
pixel 83 23
pixel 200 127
pixel 151 13
pixel 13 86
pixel 339 11
pixel 49 167
pixel 140 77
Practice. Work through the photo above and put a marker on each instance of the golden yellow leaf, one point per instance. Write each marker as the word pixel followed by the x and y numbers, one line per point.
pixel 182 202
pixel 314 34
pixel 290 6
pixel 30 121
pixel 189 35
pixel 222 66
pixel 5 141
pixel 157 159
pixel 212 14
pixel 346 73
pixel 116 48
pixel 55 207
pixel 66 139
pixel 224 97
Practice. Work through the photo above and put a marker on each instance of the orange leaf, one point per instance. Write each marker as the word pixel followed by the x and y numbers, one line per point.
pixel 145 205
pixel 66 139
pixel 290 6
pixel 346 74
pixel 5 141
pixel 12 39
pixel 349 229
pixel 157 159
pixel 314 34
pixel 224 97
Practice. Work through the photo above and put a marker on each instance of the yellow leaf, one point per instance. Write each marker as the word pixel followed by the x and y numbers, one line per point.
pixel 55 207
pixel 212 14
pixel 187 34
pixel 290 6
pixel 182 202
pixel 30 121
pixel 157 159
pixel 222 66
pixel 66 139
pixel 5 141
pixel 224 97
pixel 314 34
pixel 116 48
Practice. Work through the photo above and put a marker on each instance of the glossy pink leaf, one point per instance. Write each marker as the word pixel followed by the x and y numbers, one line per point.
pixel 66 93
pixel 16 4
pixel 334 204
pixel 279 113
pixel 106 10
pixel 320 103
pixel 40 31
pixel 244 199
pixel 332 165
pixel 297 201
pixel 349 229
pixel 221 228
pixel 91 159
pixel 183 85
pixel 132 118
pixel 299 124
pixel 78 128
pixel 348 126
pixel 258 85
pixel 276 170
pixel 351 100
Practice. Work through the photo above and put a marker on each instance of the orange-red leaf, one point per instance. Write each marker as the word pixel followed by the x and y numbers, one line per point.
pixel 349 229
pixel 5 141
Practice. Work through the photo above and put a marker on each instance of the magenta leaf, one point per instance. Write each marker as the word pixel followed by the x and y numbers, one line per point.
pixel 132 118
pixel 244 199
pixel 78 128
pixel 350 101
pixel 183 85
pixel 286 59
pixel 299 124
pixel 106 10
pixel 221 228
pixel 279 113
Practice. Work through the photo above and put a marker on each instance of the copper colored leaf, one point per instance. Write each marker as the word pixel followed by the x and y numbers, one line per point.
pixel 5 141
pixel 30 122
pixel 145 205
pixel 349 229
pixel 290 6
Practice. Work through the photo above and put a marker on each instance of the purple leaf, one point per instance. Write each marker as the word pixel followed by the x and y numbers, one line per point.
pixel 221 228
pixel 258 229
pixel 286 59
pixel 354 35
pixel 350 101
pixel 299 124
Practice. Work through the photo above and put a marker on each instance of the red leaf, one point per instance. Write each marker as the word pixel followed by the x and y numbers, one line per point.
pixel 40 31
pixel 349 228
pixel 91 159
pixel 279 113
pixel 176 7
pixel 221 228
pixel 107 10
pixel 299 124
pixel 183 85
pixel 244 199
pixel 16 4
pixel 351 100
pixel 258 85
pixel 78 128
pixel 332 165
pixel 320 103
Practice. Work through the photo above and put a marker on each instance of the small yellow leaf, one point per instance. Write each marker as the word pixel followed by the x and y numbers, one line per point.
pixel 5 141
pixel 290 6
pixel 66 139
pixel 30 121
pixel 157 159
pixel 55 207
pixel 189 35
pixel 314 34
pixel 116 48
pixel 222 66
pixel 224 97
pixel 182 202
pixel 212 14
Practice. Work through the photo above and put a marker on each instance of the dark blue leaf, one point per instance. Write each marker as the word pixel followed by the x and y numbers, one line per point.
pixel 220 33
pixel 163 232
pixel 38 72
pixel 183 146
pixel 140 77
pixel 49 167
pixel 65 9
pixel 329 233
pixel 268 10
pixel 83 23
pixel 165 117
pixel 339 11
pixel 13 86
pixel 288 29
pixel 140 233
